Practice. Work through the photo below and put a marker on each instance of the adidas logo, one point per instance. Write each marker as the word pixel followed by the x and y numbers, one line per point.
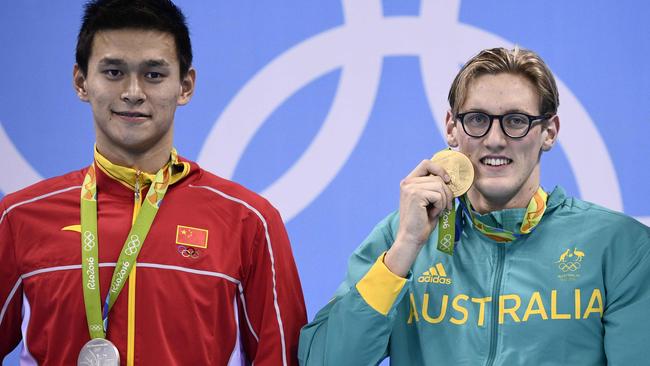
pixel 436 274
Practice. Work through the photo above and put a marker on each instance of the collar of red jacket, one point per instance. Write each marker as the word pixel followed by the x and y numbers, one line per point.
pixel 127 176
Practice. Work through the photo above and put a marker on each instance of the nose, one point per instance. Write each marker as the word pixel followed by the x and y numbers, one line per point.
pixel 133 93
pixel 495 138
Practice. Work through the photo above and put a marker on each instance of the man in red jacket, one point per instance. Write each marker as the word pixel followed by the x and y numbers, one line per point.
pixel 143 257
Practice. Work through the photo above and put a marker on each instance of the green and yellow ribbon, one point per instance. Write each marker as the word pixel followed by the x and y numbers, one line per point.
pixel 89 244
pixel 532 217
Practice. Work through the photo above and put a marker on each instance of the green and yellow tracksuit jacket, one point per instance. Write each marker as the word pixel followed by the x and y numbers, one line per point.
pixel 576 291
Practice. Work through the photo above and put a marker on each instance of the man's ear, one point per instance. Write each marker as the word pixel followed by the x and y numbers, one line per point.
pixel 187 87
pixel 551 129
pixel 452 130
pixel 79 83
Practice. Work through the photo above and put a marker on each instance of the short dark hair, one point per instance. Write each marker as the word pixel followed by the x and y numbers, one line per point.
pixel 160 15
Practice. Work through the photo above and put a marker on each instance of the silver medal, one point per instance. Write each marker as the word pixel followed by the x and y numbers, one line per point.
pixel 98 352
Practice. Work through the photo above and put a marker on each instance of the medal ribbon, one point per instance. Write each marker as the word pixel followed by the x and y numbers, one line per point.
pixel 89 244
pixel 446 230
pixel 532 217
pixel 448 225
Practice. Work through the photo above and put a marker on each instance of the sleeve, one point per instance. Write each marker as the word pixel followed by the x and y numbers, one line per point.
pixel 625 319
pixel 273 302
pixel 354 328
pixel 10 288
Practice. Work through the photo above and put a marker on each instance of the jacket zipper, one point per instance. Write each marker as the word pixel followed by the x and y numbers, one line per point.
pixel 130 338
pixel 496 291
pixel 136 187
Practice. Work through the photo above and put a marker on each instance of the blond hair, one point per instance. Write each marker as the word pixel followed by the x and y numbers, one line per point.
pixel 517 61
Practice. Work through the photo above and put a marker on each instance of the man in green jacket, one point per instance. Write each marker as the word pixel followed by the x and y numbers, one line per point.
pixel 508 273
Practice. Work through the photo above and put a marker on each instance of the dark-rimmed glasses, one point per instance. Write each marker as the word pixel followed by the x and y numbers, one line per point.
pixel 514 125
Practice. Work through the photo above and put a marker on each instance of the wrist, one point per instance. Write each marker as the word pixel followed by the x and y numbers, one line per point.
pixel 400 257
pixel 409 241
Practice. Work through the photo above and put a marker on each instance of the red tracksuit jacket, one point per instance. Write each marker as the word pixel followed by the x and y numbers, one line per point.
pixel 215 282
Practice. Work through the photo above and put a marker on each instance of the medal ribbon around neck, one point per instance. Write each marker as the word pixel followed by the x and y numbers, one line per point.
pixel 532 217
pixel 89 245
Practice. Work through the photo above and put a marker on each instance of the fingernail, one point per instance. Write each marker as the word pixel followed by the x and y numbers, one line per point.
pixel 447 178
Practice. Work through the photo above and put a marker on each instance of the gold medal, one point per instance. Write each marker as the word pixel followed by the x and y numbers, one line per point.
pixel 459 168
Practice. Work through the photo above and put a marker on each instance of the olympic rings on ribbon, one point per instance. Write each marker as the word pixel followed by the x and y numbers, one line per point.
pixel 89 241
pixel 571 266
pixel 188 252
pixel 96 328
pixel 445 243
pixel 132 245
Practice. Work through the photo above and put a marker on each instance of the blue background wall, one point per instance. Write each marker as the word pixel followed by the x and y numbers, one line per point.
pixel 323 106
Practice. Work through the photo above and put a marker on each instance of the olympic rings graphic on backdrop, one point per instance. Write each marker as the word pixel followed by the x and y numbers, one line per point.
pixel 132 245
pixel 445 243
pixel 571 266
pixel 353 48
pixel 89 241
pixel 188 252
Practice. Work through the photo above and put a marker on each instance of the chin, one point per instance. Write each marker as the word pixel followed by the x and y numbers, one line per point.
pixel 496 190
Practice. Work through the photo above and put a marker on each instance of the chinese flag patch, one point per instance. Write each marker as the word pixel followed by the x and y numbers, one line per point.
pixel 194 237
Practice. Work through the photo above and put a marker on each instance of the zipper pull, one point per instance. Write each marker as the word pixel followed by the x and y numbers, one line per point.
pixel 137 185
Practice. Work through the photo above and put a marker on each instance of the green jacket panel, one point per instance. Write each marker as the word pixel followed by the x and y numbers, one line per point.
pixel 574 291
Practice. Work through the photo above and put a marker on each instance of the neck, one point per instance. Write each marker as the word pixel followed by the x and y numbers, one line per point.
pixel 484 201
pixel 150 161
pixel 483 204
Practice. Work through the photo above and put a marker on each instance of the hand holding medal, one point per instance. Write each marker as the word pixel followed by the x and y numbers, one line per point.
pixel 427 200
pixel 461 173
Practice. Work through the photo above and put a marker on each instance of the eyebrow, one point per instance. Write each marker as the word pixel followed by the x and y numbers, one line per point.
pixel 108 61
pixel 112 61
pixel 156 63
pixel 509 111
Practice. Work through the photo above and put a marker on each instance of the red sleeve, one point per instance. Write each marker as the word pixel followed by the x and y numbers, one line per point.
pixel 10 288
pixel 273 296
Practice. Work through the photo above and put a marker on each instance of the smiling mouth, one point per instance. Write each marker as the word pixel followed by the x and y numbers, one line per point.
pixel 495 161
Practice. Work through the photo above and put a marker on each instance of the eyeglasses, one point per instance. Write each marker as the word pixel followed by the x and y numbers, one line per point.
pixel 514 125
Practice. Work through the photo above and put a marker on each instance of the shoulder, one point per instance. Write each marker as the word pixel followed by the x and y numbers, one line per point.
pixel 619 238
pixel 223 192
pixel 596 215
pixel 44 191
